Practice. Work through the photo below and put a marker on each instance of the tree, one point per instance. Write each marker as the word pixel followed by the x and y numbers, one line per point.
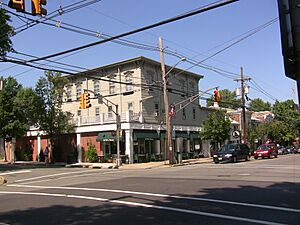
pixel 286 112
pixel 258 105
pixel 216 128
pixel 15 110
pixel 284 127
pixel 52 119
pixel 6 32
pixel 228 100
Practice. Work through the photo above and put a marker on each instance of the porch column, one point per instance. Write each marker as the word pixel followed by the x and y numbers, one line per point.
pixel 188 145
pixel 79 149
pixel 39 146
pixel 157 147
pixel 129 144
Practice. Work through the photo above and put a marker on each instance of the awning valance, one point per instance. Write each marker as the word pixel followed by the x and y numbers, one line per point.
pixel 194 136
pixel 146 135
pixel 107 136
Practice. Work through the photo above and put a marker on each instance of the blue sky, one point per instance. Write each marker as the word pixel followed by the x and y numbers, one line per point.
pixel 259 55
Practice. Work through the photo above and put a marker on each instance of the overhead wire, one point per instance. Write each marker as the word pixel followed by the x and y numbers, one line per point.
pixel 148 47
pixel 260 89
pixel 137 30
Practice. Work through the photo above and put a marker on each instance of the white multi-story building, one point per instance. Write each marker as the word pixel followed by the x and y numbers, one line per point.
pixel 132 89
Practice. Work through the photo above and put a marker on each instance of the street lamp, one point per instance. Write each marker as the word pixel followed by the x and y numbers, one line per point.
pixel 118 122
pixel 169 71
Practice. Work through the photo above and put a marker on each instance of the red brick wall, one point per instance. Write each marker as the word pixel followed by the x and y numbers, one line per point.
pixel 87 138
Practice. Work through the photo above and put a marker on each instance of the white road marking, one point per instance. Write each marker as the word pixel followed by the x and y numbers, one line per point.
pixel 51 175
pixel 15 172
pixel 164 196
pixel 67 177
pixel 200 213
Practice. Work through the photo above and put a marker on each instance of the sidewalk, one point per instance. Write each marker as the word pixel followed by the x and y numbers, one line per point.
pixel 134 166
pixel 165 164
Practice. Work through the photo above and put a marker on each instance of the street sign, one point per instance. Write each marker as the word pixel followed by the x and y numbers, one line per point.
pixel 235 134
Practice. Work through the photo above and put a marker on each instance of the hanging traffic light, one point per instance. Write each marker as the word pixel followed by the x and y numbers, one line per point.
pixel 18 5
pixel 82 102
pixel 87 100
pixel 37 7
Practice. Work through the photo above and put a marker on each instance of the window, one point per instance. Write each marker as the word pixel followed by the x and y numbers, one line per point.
pixel 110 112
pixel 96 87
pixel 182 87
pixel 194 113
pixel 192 88
pixel 130 106
pixel 150 80
pixel 128 79
pixel 156 109
pixel 78 91
pixel 112 85
pixel 111 88
pixel 78 112
pixel 97 111
pixel 69 93
pixel 183 114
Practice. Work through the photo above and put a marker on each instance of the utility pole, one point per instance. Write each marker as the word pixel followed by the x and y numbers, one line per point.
pixel 243 119
pixel 166 102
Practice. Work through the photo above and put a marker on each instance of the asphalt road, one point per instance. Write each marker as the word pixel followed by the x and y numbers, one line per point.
pixel 255 192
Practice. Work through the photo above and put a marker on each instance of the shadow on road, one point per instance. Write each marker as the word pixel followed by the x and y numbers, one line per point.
pixel 77 211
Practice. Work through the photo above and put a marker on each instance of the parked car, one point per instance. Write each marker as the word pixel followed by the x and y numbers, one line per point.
pixel 282 151
pixel 232 153
pixel 266 151
pixel 290 149
pixel 296 149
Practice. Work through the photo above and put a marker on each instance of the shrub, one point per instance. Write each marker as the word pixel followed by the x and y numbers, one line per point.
pixel 27 154
pixel 91 154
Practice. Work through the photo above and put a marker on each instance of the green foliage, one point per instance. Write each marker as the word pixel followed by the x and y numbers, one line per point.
pixel 6 32
pixel 91 153
pixel 285 126
pixel 228 100
pixel 258 105
pixel 216 128
pixel 13 121
pixel 27 154
pixel 52 119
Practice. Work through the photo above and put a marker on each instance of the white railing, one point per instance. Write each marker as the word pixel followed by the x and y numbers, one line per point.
pixel 106 118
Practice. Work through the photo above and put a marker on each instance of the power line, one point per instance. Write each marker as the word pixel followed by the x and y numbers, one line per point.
pixel 138 30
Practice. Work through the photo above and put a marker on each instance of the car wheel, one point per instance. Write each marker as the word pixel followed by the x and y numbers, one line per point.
pixel 216 162
pixel 256 157
pixel 247 158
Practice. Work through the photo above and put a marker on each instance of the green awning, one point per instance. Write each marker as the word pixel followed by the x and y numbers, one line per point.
pixel 179 134
pixel 146 135
pixel 107 136
pixel 194 136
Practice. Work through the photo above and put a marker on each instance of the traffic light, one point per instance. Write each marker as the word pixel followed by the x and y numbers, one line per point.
pixel 37 7
pixel 87 100
pixel 18 5
pixel 217 96
pixel 82 102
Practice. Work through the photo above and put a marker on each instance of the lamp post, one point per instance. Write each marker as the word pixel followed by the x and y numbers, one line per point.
pixel 118 123
pixel 166 99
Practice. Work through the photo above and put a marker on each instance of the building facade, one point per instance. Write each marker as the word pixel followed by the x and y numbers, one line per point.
pixel 133 90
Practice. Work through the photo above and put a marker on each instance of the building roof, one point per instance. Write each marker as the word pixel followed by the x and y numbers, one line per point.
pixel 124 62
